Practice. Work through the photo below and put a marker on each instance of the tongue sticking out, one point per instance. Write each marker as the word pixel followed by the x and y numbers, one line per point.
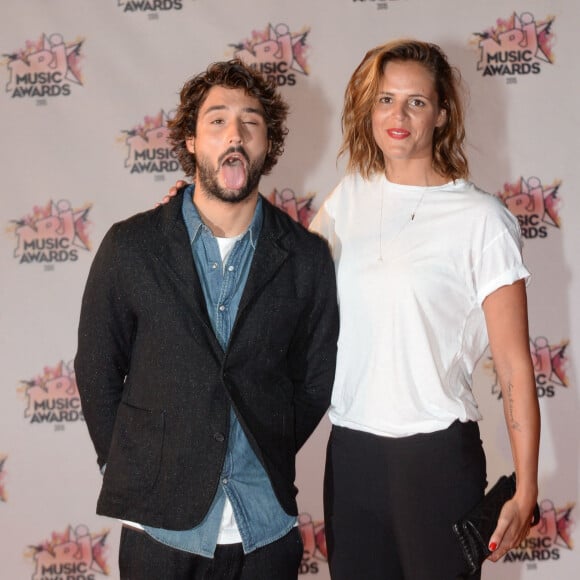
pixel 234 174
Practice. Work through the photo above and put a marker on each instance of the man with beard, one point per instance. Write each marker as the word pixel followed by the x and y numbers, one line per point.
pixel 206 353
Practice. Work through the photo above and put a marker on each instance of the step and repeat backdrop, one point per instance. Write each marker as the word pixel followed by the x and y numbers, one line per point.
pixel 87 89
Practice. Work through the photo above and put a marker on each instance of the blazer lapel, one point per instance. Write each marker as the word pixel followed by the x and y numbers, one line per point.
pixel 173 253
pixel 268 257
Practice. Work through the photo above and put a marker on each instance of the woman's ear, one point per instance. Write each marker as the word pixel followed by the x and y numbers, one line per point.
pixel 441 118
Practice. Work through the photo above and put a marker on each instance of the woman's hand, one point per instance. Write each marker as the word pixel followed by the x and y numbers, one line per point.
pixel 172 191
pixel 513 526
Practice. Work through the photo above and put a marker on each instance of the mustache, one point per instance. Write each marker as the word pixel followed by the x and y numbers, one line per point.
pixel 236 149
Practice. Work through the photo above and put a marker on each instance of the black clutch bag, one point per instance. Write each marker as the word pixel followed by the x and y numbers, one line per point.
pixel 475 529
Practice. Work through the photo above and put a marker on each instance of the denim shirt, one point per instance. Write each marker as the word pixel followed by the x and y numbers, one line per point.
pixel 258 514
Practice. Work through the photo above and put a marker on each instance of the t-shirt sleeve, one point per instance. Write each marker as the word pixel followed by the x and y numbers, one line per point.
pixel 497 253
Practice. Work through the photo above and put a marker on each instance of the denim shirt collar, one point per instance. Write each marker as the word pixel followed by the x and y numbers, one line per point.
pixel 194 223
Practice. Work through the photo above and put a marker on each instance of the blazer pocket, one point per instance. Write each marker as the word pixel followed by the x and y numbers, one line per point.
pixel 136 450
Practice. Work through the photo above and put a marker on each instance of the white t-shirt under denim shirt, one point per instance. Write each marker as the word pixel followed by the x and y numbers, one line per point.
pixel 411 291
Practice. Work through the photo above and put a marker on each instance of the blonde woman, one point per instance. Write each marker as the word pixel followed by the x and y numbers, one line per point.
pixel 429 269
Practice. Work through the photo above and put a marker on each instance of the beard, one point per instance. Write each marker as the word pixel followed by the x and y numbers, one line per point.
pixel 208 177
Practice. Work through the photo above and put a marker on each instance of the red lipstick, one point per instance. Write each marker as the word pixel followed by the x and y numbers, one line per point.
pixel 398 133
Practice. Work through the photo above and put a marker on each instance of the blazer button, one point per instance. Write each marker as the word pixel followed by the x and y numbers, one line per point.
pixel 218 437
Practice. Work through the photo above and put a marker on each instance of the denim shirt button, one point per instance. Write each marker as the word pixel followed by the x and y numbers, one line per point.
pixel 218 437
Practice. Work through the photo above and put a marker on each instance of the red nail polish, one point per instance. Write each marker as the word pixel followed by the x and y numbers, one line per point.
pixel 493 546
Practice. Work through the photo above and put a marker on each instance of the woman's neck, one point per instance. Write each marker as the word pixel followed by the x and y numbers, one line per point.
pixel 412 172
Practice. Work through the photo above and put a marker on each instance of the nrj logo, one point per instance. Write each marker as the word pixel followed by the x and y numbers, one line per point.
pixel 2 477
pixel 537 206
pixel 553 532
pixel 73 555
pixel 550 367
pixel 148 148
pixel 276 52
pixel 53 397
pixel 52 233
pixel 314 540
pixel 298 208
pixel 45 68
pixel 149 5
pixel 519 45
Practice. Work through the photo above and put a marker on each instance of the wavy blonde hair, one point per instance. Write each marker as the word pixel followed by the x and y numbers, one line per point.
pixel 365 156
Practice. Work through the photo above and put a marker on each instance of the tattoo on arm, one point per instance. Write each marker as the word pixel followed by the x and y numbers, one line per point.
pixel 510 401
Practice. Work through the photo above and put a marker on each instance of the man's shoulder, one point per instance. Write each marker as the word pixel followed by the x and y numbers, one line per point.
pixel 278 222
pixel 308 248
pixel 149 219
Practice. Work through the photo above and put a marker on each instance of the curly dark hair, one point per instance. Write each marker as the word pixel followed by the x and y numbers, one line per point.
pixel 232 74
pixel 449 157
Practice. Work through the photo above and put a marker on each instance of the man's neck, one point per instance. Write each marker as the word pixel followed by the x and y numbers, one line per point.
pixel 224 219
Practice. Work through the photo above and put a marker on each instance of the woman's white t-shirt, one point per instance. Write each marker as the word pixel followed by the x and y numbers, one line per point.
pixel 411 291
